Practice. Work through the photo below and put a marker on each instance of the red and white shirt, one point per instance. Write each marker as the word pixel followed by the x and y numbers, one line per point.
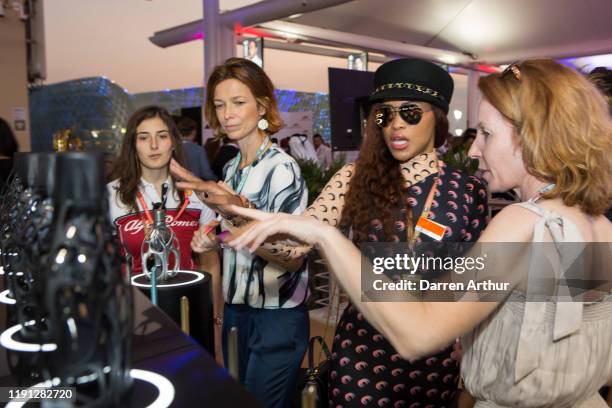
pixel 131 224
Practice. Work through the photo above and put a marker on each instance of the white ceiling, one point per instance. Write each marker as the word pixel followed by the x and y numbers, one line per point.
pixel 493 30
pixel 111 37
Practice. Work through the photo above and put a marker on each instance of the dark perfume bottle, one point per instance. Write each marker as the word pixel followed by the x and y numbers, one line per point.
pixel 90 311
pixel 25 242
pixel 32 234
pixel 9 207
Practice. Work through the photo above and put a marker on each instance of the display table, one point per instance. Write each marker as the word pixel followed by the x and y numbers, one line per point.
pixel 159 346
pixel 197 288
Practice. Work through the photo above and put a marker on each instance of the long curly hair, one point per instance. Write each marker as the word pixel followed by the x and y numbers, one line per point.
pixel 377 186
pixel 127 166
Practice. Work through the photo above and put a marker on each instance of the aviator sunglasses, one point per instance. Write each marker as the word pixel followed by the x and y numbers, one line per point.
pixel 410 113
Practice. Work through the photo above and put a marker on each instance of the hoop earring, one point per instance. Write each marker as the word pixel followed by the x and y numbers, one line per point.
pixel 262 124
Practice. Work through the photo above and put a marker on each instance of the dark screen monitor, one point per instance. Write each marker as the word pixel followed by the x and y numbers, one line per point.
pixel 348 106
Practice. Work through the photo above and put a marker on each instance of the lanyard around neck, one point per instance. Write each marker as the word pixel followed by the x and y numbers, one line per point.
pixel 149 217
pixel 247 169
pixel 428 203
pixel 426 209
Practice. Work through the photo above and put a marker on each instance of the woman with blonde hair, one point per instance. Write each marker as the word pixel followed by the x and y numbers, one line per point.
pixel 264 300
pixel 545 130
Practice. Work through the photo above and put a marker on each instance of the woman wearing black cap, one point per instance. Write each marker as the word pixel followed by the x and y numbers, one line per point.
pixel 396 181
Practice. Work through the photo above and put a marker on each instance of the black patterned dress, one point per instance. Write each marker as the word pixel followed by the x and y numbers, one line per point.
pixel 366 370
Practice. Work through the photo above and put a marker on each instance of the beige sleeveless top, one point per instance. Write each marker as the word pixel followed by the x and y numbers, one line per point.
pixel 541 354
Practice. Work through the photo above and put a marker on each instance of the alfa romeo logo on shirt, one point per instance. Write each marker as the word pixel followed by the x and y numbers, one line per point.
pixel 136 224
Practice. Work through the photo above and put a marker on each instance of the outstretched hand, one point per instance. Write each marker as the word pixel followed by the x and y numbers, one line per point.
pixel 276 226
pixel 218 196
pixel 188 181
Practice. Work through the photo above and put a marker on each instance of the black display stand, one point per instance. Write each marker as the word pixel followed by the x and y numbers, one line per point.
pixel 158 345
pixel 197 288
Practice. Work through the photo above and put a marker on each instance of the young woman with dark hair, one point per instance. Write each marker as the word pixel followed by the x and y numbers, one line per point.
pixel 141 179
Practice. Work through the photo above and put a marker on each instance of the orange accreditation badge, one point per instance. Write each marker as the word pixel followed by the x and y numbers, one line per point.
pixel 430 228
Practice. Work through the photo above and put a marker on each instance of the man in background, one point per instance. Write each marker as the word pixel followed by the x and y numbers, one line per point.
pixel 253 53
pixel 324 155
pixel 197 161
pixel 301 148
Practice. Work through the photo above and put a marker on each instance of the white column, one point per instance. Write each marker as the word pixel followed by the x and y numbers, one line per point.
pixel 227 42
pixel 219 38
pixel 219 41
pixel 210 29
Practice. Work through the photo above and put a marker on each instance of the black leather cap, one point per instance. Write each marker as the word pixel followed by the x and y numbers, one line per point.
pixel 413 79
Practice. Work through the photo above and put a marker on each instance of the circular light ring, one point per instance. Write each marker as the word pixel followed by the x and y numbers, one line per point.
pixel 164 387
pixel 6 298
pixel 197 277
pixel 7 341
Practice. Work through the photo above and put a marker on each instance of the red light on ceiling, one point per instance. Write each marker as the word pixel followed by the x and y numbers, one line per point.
pixel 489 69
pixel 239 29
